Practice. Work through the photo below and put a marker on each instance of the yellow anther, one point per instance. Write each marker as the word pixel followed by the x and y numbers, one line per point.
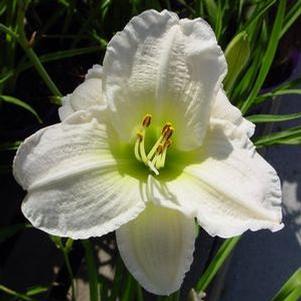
pixel 147 120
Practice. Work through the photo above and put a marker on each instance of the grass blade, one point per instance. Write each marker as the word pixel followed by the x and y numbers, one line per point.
pixel 15 294
pixel 268 56
pixel 291 17
pixel 259 12
pixel 237 55
pixel 20 103
pixel 59 55
pixel 291 136
pixel 36 290
pixel 92 270
pixel 260 118
pixel 291 290
pixel 265 96
pixel 216 263
pixel 5 76
pixel 9 231
pixel 10 146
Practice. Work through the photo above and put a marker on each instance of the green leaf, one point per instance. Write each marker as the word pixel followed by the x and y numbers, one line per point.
pixel 9 231
pixel 8 31
pixel 291 290
pixel 5 76
pixel 211 8
pixel 295 295
pixel 216 263
pixel 57 241
pixel 291 136
pixel 20 103
pixel 273 118
pixel 128 291
pixel 15 294
pixel 237 55
pixel 63 54
pixel 9 146
pixel 69 245
pixel 92 270
pixel 268 56
pixel 291 17
pixel 258 12
pixel 265 96
pixel 35 290
pixel 218 21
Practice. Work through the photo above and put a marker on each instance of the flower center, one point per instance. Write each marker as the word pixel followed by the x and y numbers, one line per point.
pixel 155 158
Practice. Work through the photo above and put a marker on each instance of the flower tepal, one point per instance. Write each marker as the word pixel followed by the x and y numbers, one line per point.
pixel 148 144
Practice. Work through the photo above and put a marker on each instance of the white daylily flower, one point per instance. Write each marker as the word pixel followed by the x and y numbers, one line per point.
pixel 146 145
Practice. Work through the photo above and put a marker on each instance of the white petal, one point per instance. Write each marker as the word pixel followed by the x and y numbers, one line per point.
pixel 66 109
pixel 224 110
pixel 74 185
pixel 167 67
pixel 86 95
pixel 230 188
pixel 95 72
pixel 157 248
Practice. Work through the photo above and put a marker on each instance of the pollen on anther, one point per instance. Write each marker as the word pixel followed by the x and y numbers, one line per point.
pixel 166 127
pixel 159 149
pixel 167 143
pixel 147 120
pixel 168 133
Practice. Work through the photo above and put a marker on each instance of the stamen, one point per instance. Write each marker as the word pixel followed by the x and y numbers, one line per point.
pixel 152 167
pixel 154 148
pixel 139 136
pixel 167 143
pixel 165 127
pixel 168 133
pixel 147 120
pixel 155 159
pixel 137 143
pixel 160 149
pixel 161 161
pixel 142 149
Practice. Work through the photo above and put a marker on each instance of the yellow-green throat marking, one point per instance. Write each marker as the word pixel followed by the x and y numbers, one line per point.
pixel 155 159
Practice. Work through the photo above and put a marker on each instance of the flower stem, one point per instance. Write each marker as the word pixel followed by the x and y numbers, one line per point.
pixel 92 270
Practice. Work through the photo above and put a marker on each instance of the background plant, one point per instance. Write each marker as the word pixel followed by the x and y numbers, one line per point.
pixel 47 46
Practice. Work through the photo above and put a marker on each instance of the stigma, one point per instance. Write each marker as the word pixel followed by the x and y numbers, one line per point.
pixel 156 156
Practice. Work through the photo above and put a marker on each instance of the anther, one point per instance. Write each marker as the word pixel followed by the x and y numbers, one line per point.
pixel 147 120
pixel 165 127
pixel 160 149
pixel 167 143
pixel 139 136
pixel 168 133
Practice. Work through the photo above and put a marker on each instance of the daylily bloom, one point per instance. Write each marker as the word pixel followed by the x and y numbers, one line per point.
pixel 147 145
